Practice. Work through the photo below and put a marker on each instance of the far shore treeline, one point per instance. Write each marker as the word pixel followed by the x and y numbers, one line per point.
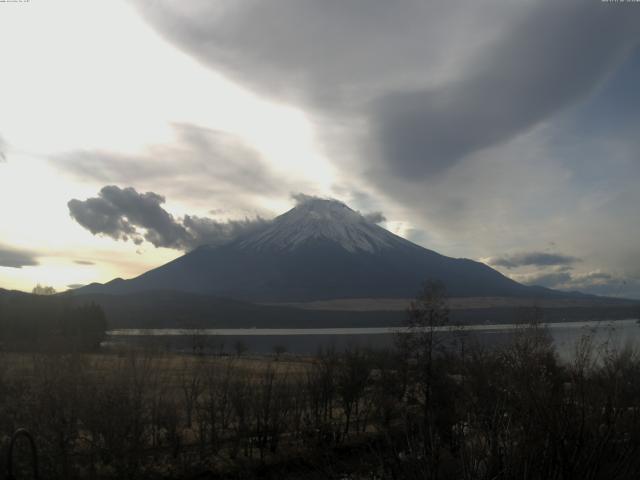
pixel 49 322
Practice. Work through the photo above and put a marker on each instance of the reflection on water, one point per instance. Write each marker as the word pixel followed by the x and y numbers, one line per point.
pixel 558 326
pixel 612 334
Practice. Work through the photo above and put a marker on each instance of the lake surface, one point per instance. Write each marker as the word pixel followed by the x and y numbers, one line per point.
pixel 613 334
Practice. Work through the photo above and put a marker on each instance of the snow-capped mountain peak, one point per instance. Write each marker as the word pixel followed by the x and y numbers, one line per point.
pixel 321 219
pixel 319 250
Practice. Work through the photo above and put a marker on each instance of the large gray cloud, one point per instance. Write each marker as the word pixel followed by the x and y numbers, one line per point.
pixel 548 60
pixel 532 258
pixel 329 54
pixel 439 86
pixel 16 258
pixel 125 214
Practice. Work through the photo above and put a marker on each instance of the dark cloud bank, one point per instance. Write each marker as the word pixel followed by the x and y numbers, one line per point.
pixel 548 60
pixel 539 259
pixel 16 258
pixel 597 283
pixel 125 214
pixel 556 270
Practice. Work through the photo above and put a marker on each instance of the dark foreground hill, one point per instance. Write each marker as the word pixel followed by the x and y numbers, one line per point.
pixel 49 322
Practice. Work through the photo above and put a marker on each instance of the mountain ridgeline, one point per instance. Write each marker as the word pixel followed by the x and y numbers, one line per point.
pixel 319 250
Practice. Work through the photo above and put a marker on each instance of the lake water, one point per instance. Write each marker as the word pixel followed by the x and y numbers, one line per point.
pixel 615 334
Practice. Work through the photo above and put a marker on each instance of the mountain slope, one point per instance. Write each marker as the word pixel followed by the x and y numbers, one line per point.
pixel 320 249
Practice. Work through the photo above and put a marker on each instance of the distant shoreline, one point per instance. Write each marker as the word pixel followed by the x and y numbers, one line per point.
pixel 454 303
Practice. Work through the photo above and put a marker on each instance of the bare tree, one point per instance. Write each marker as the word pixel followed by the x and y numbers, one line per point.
pixel 240 348
pixel 191 383
pixel 421 342
pixel 279 350
pixel 352 380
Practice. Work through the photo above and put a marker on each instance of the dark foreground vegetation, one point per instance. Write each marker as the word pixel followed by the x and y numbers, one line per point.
pixel 45 322
pixel 422 411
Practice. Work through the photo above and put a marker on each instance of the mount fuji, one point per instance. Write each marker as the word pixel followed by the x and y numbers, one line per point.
pixel 319 250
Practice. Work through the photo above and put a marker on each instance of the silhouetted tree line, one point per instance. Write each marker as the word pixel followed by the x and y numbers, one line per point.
pixel 36 322
pixel 435 407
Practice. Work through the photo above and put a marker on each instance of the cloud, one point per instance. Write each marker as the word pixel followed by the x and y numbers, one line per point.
pixel 302 198
pixel 375 217
pixel 602 283
pixel 211 232
pixel 3 149
pixel 593 278
pixel 83 262
pixel 594 282
pixel 538 259
pixel 73 286
pixel 550 280
pixel 328 54
pixel 124 214
pixel 16 258
pixel 520 80
pixel 460 77
pixel 119 213
pixel 198 166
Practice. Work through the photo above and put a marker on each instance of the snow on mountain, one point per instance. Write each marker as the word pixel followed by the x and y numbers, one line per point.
pixel 321 249
pixel 320 219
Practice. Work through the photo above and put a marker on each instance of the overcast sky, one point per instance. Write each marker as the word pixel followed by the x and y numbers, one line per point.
pixel 499 130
